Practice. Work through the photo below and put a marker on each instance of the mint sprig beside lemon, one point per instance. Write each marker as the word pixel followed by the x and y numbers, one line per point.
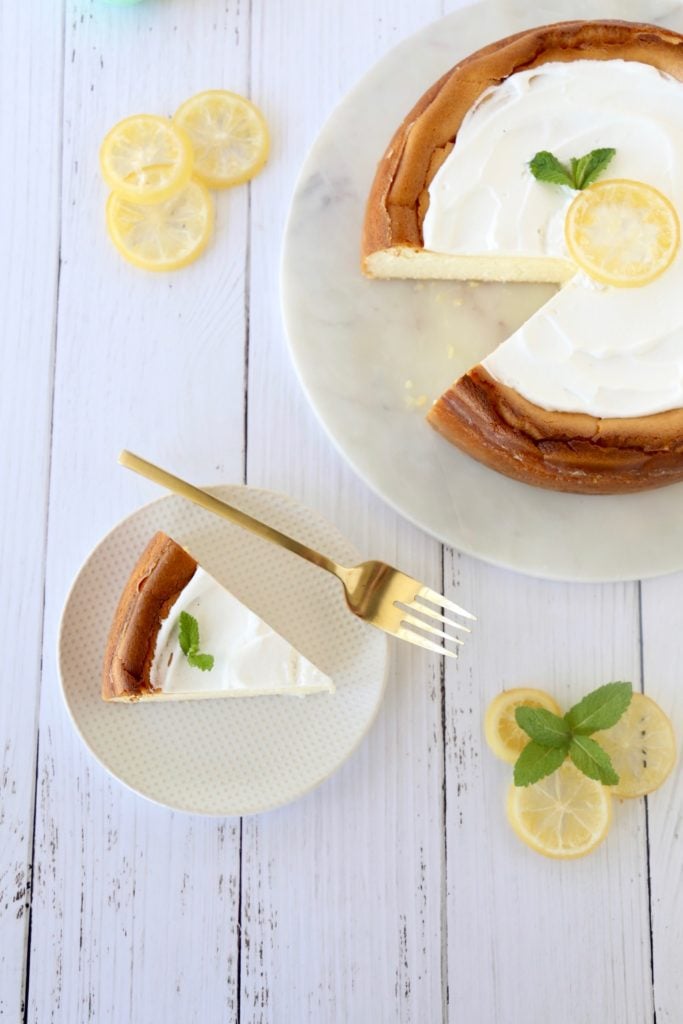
pixel 568 766
pixel 578 174
pixel 554 738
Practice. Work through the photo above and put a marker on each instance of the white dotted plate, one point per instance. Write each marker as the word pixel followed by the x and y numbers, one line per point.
pixel 231 756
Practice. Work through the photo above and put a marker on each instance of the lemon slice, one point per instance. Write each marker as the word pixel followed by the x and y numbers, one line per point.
pixel 229 136
pixel 621 232
pixel 146 158
pixel 564 815
pixel 503 735
pixel 162 236
pixel 642 747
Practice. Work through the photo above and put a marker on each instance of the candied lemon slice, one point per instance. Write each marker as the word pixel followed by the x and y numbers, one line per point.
pixel 503 735
pixel 162 236
pixel 146 158
pixel 642 747
pixel 229 137
pixel 564 815
pixel 621 232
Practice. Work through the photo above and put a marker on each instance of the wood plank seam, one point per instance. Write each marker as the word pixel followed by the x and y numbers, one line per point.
pixel 29 887
pixel 52 373
pixel 27 974
pixel 245 463
pixel 444 823
pixel 238 987
pixel 641 651
pixel 649 908
pixel 247 301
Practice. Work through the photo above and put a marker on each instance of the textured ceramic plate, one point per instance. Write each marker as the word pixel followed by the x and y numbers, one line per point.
pixel 372 355
pixel 232 756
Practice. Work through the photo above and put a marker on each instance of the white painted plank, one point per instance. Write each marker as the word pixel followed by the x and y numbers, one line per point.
pixel 29 257
pixel 134 909
pixel 527 936
pixel 342 891
pixel 662 660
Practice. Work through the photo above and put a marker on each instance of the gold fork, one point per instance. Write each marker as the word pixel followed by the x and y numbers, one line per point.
pixel 375 592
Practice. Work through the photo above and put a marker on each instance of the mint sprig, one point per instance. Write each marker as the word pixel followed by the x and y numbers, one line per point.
pixel 553 739
pixel 578 174
pixel 537 761
pixel 592 760
pixel 188 638
pixel 600 709
pixel 543 726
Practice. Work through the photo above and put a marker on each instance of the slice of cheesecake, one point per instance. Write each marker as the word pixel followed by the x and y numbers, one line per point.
pixel 178 634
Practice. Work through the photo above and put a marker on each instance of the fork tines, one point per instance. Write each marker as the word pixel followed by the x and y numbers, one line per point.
pixel 414 628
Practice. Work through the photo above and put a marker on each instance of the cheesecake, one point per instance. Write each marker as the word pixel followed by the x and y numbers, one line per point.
pixel 178 634
pixel 587 395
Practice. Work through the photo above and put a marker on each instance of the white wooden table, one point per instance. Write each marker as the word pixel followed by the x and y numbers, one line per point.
pixel 396 891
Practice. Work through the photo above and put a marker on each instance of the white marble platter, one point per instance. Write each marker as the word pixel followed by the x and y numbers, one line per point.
pixel 372 356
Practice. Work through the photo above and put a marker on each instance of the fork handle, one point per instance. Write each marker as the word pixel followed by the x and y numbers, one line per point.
pixel 221 508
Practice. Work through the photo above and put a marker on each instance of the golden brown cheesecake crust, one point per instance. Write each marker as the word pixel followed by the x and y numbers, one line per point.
pixel 491 422
pixel 398 199
pixel 161 573
pixel 559 451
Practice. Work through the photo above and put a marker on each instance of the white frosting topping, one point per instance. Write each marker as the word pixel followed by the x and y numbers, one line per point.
pixel 592 348
pixel 250 658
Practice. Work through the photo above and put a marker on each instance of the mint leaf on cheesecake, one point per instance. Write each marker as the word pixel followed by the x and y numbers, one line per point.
pixel 579 174
pixel 188 638
pixel 200 661
pixel 587 168
pixel 188 633
pixel 546 167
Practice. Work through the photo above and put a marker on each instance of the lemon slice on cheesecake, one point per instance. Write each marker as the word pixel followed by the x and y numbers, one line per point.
pixel 623 233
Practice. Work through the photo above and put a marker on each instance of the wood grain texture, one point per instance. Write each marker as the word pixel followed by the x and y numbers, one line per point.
pixel 129 901
pixel 342 892
pixel 396 891
pixel 30 140
pixel 662 670
pixel 524 931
